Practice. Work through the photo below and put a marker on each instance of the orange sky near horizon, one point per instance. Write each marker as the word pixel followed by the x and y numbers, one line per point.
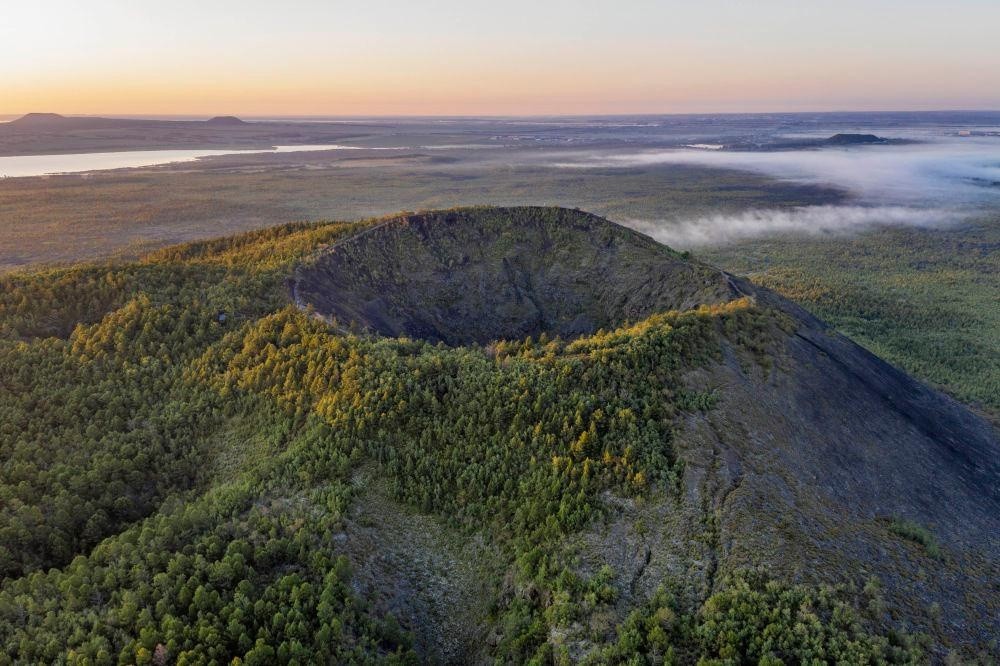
pixel 449 58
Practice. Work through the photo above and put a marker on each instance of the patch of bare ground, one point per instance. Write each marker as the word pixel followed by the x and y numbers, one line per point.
pixel 436 581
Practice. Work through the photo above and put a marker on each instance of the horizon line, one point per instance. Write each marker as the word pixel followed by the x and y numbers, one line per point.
pixel 154 116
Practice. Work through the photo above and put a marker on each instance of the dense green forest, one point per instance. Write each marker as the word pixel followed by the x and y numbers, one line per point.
pixel 179 451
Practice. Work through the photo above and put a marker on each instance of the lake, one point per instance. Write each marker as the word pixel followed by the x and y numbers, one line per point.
pixel 19 166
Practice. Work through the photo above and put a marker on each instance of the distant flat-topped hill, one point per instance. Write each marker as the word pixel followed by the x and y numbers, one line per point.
pixel 226 121
pixel 39 119
pixel 854 139
pixel 56 122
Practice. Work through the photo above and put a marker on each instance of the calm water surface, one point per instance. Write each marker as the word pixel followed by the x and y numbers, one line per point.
pixel 16 166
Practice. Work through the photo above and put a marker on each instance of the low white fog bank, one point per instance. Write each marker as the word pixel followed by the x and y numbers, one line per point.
pixel 958 169
pixel 938 182
pixel 811 220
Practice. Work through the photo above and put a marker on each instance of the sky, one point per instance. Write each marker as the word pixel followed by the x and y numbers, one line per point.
pixel 466 57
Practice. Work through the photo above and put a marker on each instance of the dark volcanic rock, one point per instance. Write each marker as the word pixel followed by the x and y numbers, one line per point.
pixel 484 274
pixel 833 445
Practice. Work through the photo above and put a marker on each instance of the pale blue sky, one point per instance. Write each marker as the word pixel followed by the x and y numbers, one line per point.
pixel 447 56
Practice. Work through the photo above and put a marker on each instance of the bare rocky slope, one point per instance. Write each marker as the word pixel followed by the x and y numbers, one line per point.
pixel 808 464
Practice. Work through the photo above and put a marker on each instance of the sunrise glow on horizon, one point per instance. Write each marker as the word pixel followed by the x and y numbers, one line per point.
pixel 467 58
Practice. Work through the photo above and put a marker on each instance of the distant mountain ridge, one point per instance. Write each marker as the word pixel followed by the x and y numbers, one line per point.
pixel 56 121
pixel 39 119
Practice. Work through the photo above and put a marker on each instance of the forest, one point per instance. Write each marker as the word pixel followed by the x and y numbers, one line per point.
pixel 180 450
